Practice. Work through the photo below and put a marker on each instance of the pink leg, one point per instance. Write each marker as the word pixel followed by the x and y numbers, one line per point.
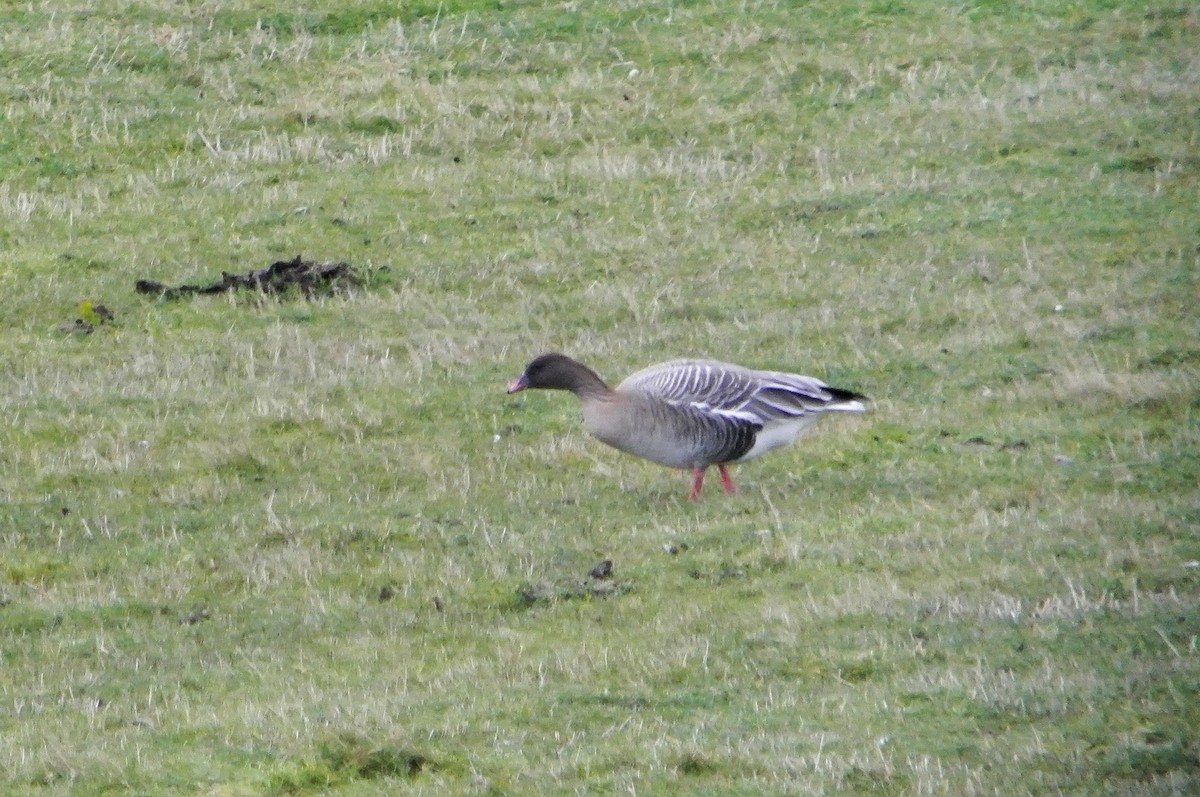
pixel 726 481
pixel 697 483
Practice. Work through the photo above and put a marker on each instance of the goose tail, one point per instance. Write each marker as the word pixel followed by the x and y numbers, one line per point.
pixel 846 400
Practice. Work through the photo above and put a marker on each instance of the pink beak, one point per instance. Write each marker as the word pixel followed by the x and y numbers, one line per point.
pixel 518 385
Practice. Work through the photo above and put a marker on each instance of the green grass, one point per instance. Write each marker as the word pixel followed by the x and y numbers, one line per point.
pixel 253 545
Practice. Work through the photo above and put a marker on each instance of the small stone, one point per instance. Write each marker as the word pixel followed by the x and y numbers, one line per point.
pixel 602 569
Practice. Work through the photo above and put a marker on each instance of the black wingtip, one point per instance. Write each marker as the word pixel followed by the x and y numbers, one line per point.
pixel 840 395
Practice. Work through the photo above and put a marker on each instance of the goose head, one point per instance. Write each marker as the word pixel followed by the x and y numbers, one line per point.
pixel 554 371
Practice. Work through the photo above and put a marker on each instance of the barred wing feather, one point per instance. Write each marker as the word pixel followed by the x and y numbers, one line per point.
pixel 762 397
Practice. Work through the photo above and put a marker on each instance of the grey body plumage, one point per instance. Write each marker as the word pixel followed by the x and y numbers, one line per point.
pixel 692 413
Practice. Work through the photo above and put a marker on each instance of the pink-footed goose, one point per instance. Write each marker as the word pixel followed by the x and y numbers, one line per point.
pixel 692 413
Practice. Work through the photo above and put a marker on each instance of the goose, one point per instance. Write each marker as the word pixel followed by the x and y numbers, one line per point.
pixel 693 413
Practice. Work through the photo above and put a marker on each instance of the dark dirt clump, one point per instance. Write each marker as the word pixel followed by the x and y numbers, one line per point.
pixel 311 278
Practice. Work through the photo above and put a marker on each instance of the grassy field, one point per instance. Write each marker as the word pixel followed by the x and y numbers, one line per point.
pixel 278 545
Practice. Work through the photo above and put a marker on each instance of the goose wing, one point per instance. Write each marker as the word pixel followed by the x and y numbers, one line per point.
pixel 724 389
pixel 699 385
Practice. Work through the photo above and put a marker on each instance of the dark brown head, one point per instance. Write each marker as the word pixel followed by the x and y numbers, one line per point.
pixel 554 371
